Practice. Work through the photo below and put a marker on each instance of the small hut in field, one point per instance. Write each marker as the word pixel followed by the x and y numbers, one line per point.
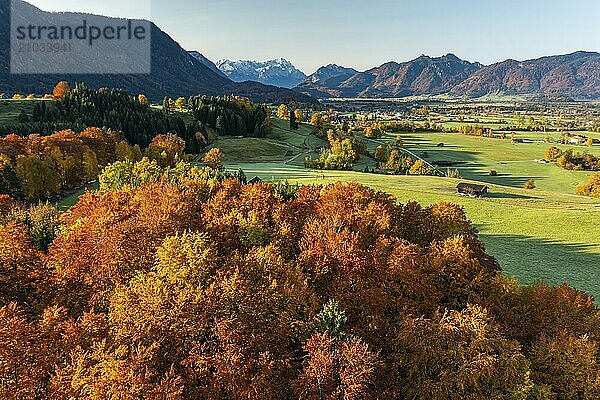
pixel 471 189
pixel 255 181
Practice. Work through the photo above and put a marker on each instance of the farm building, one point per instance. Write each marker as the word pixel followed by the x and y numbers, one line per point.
pixel 577 139
pixel 471 189
pixel 254 181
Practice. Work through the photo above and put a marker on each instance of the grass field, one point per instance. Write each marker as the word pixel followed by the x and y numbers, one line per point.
pixel 514 163
pixel 275 148
pixel 10 109
pixel 69 201
pixel 546 234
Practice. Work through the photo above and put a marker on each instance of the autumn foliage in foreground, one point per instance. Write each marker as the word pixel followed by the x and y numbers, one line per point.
pixel 203 289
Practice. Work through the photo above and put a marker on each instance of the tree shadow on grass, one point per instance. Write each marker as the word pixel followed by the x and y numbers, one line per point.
pixel 447 153
pixel 507 180
pixel 535 259
pixel 496 195
pixel 469 165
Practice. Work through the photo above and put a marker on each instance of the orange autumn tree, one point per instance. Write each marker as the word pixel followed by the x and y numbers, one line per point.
pixel 591 188
pixel 7 204
pixel 167 149
pixel 459 354
pixel 110 236
pixel 214 158
pixel 61 89
pixel 336 369
pixel 568 364
pixel 27 364
pixel 22 271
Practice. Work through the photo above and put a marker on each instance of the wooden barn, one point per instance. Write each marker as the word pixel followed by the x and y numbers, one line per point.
pixel 255 181
pixel 471 189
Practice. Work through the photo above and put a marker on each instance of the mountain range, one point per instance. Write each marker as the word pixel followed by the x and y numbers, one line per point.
pixel 279 72
pixel 424 75
pixel 174 71
pixel 570 76
pixel 575 76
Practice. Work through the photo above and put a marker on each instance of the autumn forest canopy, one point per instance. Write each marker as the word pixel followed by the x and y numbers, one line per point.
pixel 174 282
pixel 173 228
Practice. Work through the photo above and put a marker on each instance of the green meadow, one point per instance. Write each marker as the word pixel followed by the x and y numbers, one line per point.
pixel 11 109
pixel 514 163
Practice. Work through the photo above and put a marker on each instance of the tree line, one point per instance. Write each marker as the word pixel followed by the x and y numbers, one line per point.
pixel 114 109
pixel 38 167
pixel 137 122
pixel 571 160
pixel 231 115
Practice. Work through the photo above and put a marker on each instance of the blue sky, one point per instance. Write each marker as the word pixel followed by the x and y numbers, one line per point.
pixel 363 34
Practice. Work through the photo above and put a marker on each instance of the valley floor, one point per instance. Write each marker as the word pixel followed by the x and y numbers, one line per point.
pixel 546 234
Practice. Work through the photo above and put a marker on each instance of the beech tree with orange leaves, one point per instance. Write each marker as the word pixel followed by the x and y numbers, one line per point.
pixel 175 282
pixel 167 150
pixel 61 89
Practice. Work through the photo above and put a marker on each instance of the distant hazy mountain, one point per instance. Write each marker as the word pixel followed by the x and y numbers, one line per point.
pixel 570 76
pixel 424 75
pixel 279 72
pixel 325 81
pixel 206 62
pixel 329 72
pixel 575 75
pixel 174 72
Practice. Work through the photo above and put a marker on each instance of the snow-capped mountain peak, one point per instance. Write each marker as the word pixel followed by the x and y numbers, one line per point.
pixel 277 72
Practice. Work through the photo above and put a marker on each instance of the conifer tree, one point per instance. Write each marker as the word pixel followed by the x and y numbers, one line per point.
pixel 293 122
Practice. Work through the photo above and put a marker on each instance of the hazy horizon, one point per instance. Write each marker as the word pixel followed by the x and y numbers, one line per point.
pixel 348 33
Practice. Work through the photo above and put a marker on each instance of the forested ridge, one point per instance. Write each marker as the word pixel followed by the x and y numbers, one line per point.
pixel 187 285
pixel 231 115
pixel 99 127
pixel 138 123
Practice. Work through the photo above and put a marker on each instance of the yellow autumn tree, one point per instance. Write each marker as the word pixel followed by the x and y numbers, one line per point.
pixel 591 188
pixel 283 112
pixel 214 158
pixel 299 116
